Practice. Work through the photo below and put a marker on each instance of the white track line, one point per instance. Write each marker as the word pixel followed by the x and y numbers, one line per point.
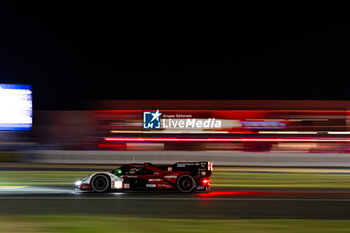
pixel 173 199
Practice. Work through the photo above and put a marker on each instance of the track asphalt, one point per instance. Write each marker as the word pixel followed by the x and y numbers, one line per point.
pixel 219 203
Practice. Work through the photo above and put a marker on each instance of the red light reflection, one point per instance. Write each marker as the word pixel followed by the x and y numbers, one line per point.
pixel 158 139
pixel 237 193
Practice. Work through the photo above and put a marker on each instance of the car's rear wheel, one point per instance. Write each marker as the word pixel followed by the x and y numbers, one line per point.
pixel 185 183
pixel 100 183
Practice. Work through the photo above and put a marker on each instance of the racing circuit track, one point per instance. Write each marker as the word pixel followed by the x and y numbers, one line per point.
pixel 219 203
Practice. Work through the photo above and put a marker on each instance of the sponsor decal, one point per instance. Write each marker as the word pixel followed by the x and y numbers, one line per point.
pixel 184 164
pixel 163 185
pixel 154 180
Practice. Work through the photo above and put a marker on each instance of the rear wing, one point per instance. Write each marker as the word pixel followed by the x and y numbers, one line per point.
pixel 203 168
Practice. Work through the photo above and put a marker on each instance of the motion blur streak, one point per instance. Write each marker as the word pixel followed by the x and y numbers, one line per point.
pixel 246 126
pixel 229 193
pixel 154 139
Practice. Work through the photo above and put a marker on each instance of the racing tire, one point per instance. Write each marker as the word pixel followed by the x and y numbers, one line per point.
pixel 185 184
pixel 100 183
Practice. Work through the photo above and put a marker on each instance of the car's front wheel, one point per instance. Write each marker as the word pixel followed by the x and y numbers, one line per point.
pixel 100 183
pixel 185 183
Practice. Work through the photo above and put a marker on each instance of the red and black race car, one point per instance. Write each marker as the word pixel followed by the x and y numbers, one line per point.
pixel 183 176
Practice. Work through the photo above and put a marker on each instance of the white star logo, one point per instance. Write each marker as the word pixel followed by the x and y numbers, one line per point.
pixel 156 115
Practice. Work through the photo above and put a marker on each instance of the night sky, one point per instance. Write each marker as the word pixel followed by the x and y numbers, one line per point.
pixel 74 53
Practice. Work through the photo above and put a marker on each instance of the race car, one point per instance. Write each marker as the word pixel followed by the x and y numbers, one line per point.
pixel 185 177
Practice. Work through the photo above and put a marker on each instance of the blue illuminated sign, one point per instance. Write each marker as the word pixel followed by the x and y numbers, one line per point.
pixel 15 107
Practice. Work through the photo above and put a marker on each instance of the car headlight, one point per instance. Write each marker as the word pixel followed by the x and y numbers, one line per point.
pixel 78 183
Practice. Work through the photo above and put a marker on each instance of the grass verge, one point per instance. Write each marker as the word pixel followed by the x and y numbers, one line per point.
pixel 86 224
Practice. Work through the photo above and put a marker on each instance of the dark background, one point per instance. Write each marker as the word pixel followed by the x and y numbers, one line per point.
pixel 72 53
